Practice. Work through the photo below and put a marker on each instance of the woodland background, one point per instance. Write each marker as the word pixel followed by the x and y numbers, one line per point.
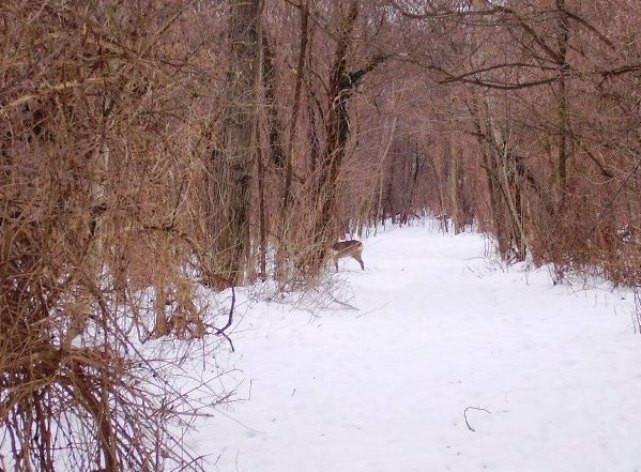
pixel 151 150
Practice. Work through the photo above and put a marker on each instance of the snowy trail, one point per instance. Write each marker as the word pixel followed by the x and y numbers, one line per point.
pixel 547 377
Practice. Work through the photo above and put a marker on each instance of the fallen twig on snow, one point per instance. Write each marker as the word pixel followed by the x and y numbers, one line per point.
pixel 473 408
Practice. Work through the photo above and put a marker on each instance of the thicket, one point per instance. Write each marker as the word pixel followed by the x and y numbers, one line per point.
pixel 156 152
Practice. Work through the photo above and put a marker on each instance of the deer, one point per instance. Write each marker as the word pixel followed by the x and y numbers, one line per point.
pixel 351 248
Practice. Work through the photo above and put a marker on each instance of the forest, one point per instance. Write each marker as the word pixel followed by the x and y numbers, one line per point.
pixel 156 154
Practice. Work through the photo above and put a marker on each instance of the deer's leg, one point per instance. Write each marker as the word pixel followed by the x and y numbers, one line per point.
pixel 358 257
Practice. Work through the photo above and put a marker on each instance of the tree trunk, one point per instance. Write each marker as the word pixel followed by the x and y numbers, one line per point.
pixel 564 36
pixel 455 210
pixel 268 76
pixel 288 191
pixel 234 168
pixel 337 132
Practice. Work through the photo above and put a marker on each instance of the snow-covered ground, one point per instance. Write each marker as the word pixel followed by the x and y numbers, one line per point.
pixel 440 360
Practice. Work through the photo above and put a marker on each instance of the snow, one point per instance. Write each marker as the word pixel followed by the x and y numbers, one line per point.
pixel 437 359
